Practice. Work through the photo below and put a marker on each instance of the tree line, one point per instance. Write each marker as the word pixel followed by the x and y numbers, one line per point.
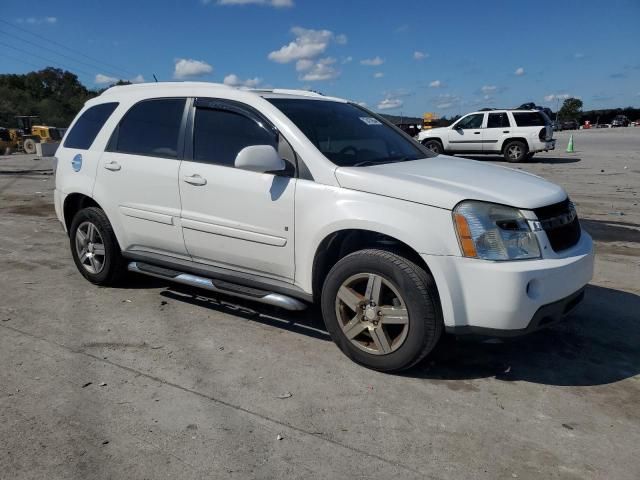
pixel 57 95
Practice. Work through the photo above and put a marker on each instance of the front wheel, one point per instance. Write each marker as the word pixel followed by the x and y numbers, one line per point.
pixel 515 151
pixel 382 310
pixel 434 145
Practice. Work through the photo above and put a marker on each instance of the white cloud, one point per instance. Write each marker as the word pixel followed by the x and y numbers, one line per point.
pixel 435 84
pixel 362 104
pixel 38 20
pixel 447 100
pixel 347 60
pixel 187 68
pixel 102 79
pixel 341 39
pixel 268 3
pixel 390 104
pixel 304 64
pixel 488 89
pixel 308 44
pixel 519 71
pixel 234 81
pixel 417 55
pixel 378 75
pixel 578 55
pixel 321 70
pixel 556 96
pixel 105 79
pixel 372 62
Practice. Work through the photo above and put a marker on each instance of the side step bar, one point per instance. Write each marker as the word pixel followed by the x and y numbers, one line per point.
pixel 219 286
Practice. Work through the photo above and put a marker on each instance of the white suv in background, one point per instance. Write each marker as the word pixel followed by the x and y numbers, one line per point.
pixel 289 197
pixel 516 134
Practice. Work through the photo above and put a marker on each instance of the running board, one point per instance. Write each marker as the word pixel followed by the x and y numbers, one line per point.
pixel 219 286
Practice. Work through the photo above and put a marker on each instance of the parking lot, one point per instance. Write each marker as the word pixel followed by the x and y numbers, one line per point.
pixel 153 380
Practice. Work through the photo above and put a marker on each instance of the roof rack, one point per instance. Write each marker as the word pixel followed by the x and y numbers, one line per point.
pixel 287 91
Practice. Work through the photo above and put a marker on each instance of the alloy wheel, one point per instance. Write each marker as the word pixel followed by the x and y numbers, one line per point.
pixel 90 247
pixel 372 314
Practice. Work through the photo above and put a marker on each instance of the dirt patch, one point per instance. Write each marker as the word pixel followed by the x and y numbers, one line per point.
pixel 35 209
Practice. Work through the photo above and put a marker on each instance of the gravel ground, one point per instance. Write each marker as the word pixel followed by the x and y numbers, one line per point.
pixel 151 380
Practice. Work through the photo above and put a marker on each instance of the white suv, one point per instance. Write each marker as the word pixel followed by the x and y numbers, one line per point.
pixel 289 197
pixel 516 134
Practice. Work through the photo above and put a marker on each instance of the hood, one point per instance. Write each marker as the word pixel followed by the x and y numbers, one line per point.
pixel 430 132
pixel 444 181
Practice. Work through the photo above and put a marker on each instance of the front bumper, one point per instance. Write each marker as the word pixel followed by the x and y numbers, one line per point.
pixel 510 298
pixel 58 202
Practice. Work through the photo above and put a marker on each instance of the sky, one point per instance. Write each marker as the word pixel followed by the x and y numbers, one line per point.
pixel 397 57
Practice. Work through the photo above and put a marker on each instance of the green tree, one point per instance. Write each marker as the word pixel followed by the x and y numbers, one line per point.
pixel 571 109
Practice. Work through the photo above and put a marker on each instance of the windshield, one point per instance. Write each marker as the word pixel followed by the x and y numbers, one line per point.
pixel 347 134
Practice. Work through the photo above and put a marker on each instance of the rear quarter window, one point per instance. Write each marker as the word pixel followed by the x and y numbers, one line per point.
pixel 86 129
pixel 530 119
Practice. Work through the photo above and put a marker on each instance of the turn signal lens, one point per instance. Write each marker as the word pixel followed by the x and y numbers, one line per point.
pixel 464 236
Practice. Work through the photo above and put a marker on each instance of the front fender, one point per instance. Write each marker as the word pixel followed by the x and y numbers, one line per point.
pixel 322 210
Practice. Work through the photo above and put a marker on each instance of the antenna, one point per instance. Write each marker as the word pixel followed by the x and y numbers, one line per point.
pixel 154 77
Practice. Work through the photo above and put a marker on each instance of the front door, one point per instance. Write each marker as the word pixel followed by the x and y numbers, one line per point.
pixel 466 135
pixel 235 218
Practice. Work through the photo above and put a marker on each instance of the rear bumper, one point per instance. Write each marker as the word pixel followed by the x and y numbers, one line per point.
pixel 517 297
pixel 543 146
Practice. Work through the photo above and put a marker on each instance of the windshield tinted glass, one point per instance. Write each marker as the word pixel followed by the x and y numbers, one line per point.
pixel 347 134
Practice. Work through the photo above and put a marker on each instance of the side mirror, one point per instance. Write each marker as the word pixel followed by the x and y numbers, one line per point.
pixel 260 158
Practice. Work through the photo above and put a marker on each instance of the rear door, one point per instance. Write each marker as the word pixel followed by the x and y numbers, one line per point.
pixel 466 135
pixel 137 182
pixel 497 130
pixel 235 218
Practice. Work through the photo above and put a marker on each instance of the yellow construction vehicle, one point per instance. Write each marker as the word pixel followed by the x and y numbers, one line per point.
pixel 428 119
pixel 30 133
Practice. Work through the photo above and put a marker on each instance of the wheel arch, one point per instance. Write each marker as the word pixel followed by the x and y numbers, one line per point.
pixel 512 139
pixel 341 243
pixel 73 203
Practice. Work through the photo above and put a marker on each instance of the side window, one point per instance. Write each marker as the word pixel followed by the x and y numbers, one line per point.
pixel 498 120
pixel 530 119
pixel 152 128
pixel 220 134
pixel 471 122
pixel 86 129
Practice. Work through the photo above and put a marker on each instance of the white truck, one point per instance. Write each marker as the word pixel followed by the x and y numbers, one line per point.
pixel 516 134
pixel 290 197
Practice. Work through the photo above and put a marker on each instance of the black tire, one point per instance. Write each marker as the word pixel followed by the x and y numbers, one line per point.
pixel 530 156
pixel 511 147
pixel 114 266
pixel 434 145
pixel 418 291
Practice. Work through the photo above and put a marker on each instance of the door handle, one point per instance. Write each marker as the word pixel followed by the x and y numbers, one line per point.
pixel 195 179
pixel 505 131
pixel 113 166
pixel 476 133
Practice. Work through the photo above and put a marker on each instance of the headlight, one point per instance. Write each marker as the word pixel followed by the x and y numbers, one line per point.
pixel 494 232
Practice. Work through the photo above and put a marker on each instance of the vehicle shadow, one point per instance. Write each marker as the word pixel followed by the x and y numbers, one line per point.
pixel 308 322
pixel 595 345
pixel 536 159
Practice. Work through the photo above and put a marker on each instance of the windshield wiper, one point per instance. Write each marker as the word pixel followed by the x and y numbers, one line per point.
pixel 368 163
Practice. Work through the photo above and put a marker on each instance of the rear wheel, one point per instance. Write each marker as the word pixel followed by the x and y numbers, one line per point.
pixel 434 145
pixel 94 247
pixel 515 151
pixel 530 155
pixel 382 310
